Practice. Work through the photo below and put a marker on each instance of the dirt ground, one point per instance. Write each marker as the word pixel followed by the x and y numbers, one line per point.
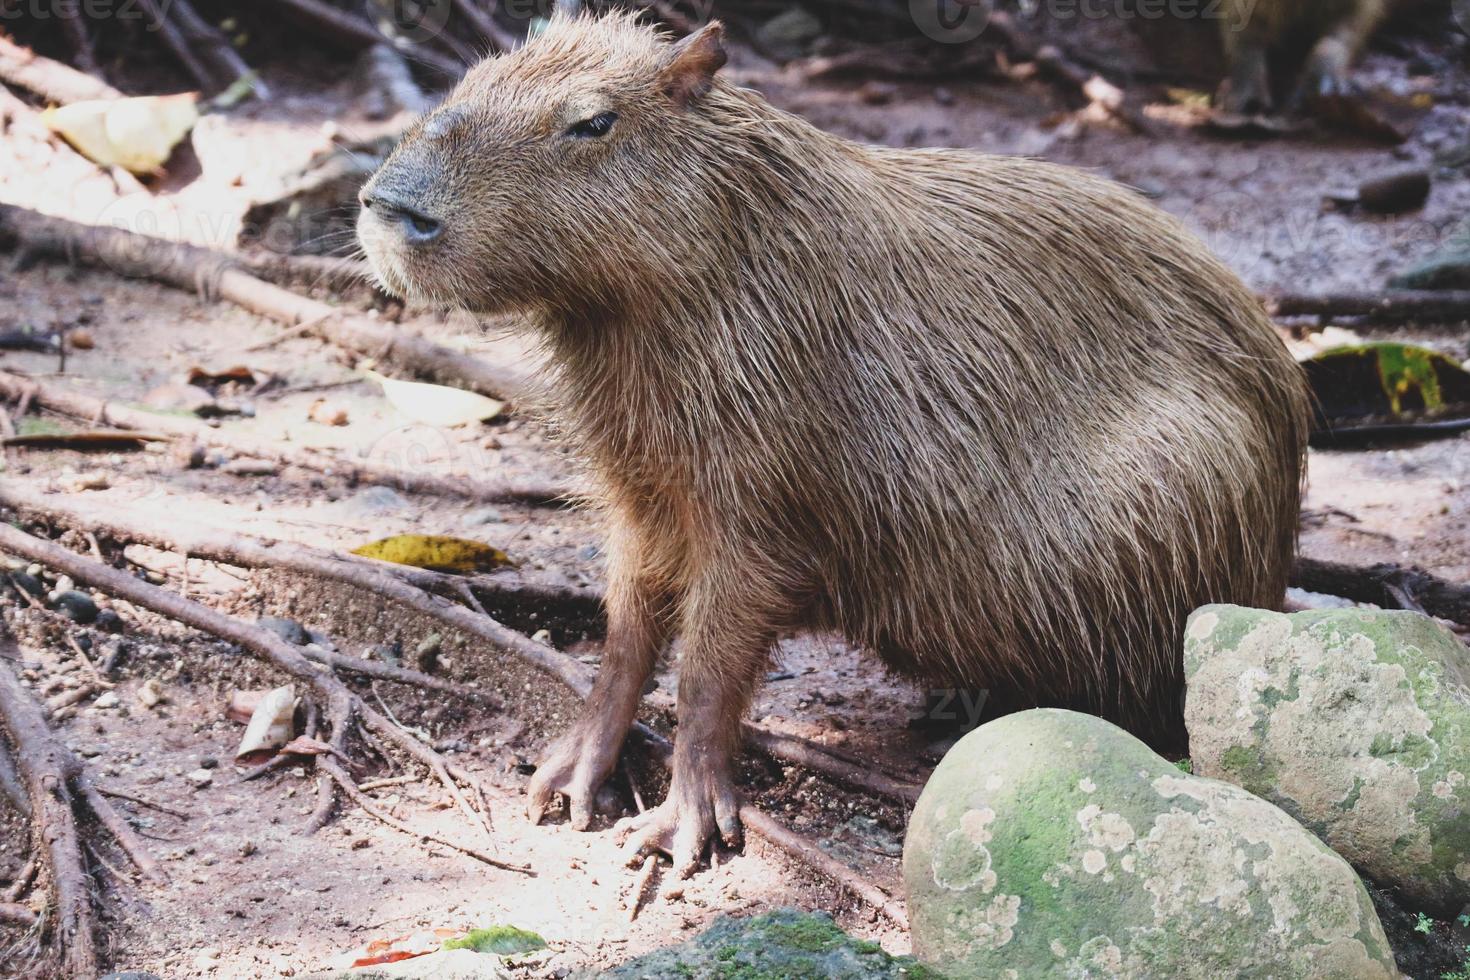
pixel 248 894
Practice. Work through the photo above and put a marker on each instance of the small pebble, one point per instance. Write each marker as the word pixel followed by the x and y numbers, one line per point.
pixel 108 699
pixel 287 629
pixel 77 607
pixel 200 778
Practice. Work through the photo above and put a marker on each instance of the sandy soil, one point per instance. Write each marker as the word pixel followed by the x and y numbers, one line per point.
pixel 249 896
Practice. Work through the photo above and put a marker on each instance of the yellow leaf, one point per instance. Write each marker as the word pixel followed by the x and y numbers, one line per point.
pixel 443 554
pixel 436 404
pixel 138 133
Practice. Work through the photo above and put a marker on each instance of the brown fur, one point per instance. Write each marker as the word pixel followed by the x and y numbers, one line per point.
pixel 1000 421
pixel 1260 33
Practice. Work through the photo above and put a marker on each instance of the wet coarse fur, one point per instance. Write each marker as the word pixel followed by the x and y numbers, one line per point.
pixel 1002 422
pixel 1269 41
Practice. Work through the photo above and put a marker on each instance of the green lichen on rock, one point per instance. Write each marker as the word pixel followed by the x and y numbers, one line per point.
pixel 781 945
pixel 1355 722
pixel 1052 844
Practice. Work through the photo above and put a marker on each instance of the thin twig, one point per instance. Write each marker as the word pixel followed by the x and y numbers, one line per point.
pixel 118 794
pixel 371 809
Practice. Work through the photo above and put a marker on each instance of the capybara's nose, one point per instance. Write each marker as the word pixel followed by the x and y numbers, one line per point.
pixel 416 227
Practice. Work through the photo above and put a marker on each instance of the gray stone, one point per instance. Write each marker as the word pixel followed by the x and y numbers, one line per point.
pixel 1052 844
pixel 287 629
pixel 1355 722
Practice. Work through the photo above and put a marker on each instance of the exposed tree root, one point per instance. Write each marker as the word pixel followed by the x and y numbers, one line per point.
pixel 51 80
pixel 190 267
pixel 56 783
pixel 345 710
pixel 1389 306
pixel 417 590
pixel 96 411
pixel 1387 585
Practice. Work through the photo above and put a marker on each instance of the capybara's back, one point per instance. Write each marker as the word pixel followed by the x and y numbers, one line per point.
pixel 1035 425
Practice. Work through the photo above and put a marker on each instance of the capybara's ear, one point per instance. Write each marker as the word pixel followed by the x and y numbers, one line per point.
pixel 693 62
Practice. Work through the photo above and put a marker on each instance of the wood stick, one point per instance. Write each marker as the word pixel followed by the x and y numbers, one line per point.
pixel 371 809
pixel 96 410
pixel 49 769
pixel 190 267
pixel 1388 306
pixel 15 914
pixel 216 47
pixel 340 702
pixel 10 784
pixel 178 44
pixel 1387 585
pixel 355 34
pixel 51 80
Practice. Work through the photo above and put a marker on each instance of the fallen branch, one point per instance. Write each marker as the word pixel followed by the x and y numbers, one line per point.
pixel 356 34
pixel 191 267
pixel 201 34
pixel 56 783
pixel 1387 585
pixel 174 39
pixel 51 80
pixel 97 411
pixel 343 707
pixel 15 914
pixel 1389 306
pixel 374 577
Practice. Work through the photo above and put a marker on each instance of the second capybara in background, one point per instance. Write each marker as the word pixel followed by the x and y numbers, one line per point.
pixel 1262 37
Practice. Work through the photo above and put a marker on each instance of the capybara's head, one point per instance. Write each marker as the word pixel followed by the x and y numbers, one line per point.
pixel 551 175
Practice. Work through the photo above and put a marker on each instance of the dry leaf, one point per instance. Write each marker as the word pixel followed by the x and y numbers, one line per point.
pixel 437 552
pixel 271 726
pixel 436 404
pixel 137 134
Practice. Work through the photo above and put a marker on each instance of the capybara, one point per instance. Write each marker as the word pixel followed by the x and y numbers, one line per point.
pixel 1260 33
pixel 1001 422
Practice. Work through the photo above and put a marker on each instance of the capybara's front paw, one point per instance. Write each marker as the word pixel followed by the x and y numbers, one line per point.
pixel 684 825
pixel 574 766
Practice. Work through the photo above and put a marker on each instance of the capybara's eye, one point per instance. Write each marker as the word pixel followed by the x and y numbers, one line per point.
pixel 593 127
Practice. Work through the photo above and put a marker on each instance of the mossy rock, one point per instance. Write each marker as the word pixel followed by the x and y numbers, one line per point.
pixel 1355 722
pixel 1052 844
pixel 781 945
